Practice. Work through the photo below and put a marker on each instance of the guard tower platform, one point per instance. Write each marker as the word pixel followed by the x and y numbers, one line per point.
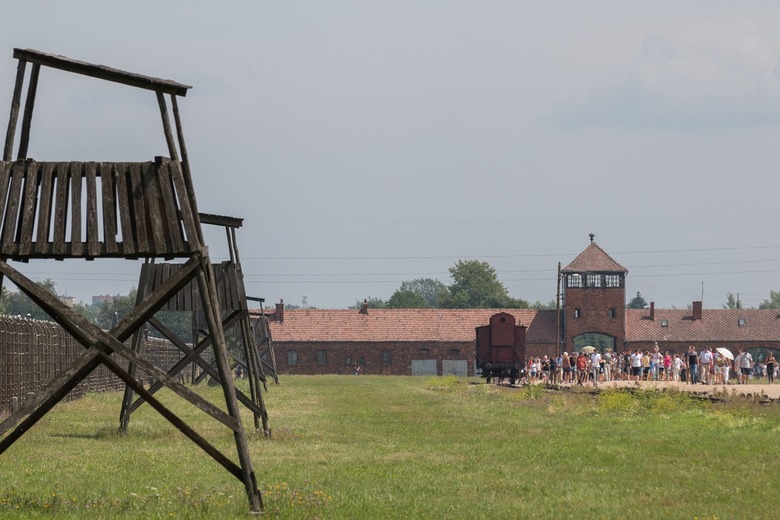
pixel 243 349
pixel 95 210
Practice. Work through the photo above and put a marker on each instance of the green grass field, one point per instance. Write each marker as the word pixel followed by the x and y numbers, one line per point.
pixel 403 447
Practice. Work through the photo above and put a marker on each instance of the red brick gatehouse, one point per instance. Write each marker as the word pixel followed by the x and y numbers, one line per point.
pixel 442 341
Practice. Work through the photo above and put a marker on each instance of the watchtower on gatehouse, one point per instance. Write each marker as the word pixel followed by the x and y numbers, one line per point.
pixel 594 300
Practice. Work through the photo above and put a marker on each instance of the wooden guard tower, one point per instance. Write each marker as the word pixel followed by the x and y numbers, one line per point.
pixel 91 210
pixel 236 324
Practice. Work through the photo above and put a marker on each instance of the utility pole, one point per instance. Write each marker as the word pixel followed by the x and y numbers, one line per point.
pixel 558 313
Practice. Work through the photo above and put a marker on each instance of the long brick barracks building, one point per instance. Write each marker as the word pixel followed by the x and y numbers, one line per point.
pixel 442 341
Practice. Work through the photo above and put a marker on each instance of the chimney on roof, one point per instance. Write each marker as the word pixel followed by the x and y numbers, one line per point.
pixel 279 314
pixel 364 308
pixel 652 311
pixel 696 311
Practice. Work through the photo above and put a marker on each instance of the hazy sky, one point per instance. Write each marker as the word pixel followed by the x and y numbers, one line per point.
pixel 370 142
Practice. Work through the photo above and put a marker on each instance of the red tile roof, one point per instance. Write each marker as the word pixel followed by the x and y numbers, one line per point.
pixel 594 259
pixel 715 325
pixel 403 325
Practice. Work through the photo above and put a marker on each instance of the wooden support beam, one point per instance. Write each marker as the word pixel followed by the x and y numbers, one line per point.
pixel 211 309
pixel 16 100
pixel 56 61
pixel 29 104
pixel 172 418
pixel 90 335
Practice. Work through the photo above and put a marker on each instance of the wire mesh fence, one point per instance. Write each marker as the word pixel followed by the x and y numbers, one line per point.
pixel 32 352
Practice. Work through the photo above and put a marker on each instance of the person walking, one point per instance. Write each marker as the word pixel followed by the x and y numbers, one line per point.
pixel 667 366
pixel 582 368
pixel 705 361
pixel 636 366
pixel 770 368
pixel 677 366
pixel 656 362
pixel 692 364
pixel 745 366
pixel 595 366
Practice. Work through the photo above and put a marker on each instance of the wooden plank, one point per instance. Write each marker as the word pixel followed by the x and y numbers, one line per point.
pixel 56 61
pixel 173 231
pixel 76 224
pixel 61 207
pixel 45 199
pixel 161 273
pixel 10 246
pixel 220 220
pixel 123 187
pixel 153 207
pixel 29 208
pixel 93 230
pixel 6 169
pixel 109 208
pixel 138 209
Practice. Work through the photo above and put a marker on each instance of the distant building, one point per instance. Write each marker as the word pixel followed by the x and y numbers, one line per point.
pixel 100 300
pixel 441 341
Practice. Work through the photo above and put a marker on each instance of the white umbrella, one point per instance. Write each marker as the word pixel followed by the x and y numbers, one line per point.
pixel 726 353
pixel 588 349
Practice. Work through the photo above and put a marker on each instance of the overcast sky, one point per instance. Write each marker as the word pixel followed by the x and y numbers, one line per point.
pixel 365 143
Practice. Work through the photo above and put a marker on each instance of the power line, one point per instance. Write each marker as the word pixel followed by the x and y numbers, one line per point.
pixel 536 255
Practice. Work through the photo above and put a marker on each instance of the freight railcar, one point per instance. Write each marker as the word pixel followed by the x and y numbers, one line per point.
pixel 501 348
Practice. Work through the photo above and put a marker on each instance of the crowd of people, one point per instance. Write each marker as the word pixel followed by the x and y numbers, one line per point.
pixel 707 366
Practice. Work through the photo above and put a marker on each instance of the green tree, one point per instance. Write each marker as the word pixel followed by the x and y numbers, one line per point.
pixel 108 314
pixel 19 304
pixel 544 306
pixel 732 302
pixel 476 285
pixel 373 303
pixel 637 302
pixel 773 302
pixel 407 300
pixel 430 289
pixel 179 322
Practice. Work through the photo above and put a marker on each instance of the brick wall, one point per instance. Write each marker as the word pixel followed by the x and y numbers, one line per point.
pixel 594 306
pixel 341 356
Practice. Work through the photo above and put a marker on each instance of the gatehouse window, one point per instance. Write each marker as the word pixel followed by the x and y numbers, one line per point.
pixel 322 357
pixel 594 280
pixel 454 352
pixel 612 313
pixel 348 360
pixel 424 351
pixel 613 280
pixel 574 280
pixel 577 313
pixel 292 358
pixel 742 322
pixel 387 359
pixel 664 322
